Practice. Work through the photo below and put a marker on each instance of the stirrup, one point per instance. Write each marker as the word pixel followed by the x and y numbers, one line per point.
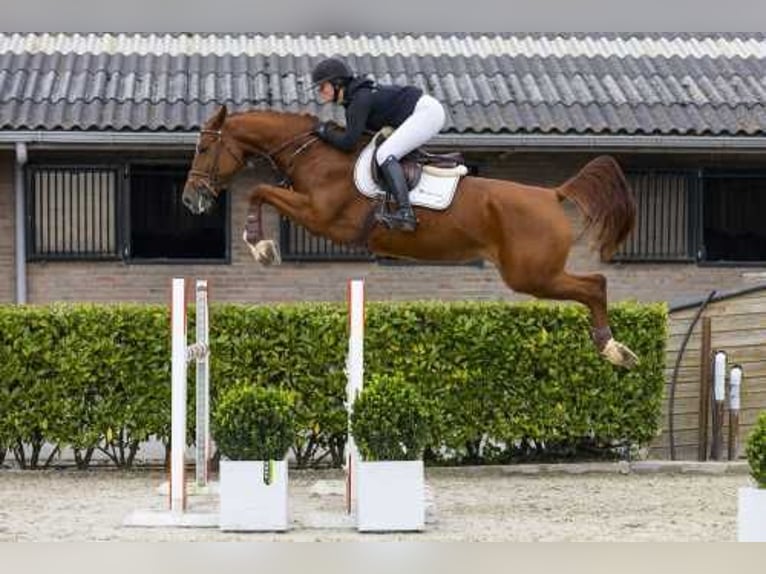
pixel 398 221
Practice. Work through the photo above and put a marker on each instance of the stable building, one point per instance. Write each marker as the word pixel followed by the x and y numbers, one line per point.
pixel 97 133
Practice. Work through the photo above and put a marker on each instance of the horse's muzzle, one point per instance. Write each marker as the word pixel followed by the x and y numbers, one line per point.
pixel 197 199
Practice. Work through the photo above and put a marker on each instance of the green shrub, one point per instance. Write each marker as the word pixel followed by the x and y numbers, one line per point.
pixel 522 374
pixel 91 377
pixel 301 348
pixel 756 451
pixel 390 420
pixel 254 423
pixel 504 382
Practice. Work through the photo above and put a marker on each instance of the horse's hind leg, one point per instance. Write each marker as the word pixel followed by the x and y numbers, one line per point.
pixel 590 290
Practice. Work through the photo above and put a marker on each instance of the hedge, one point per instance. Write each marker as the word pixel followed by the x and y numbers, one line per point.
pixel 504 381
pixel 756 451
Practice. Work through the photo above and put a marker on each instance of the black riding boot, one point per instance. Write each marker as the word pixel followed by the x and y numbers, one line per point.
pixel 393 176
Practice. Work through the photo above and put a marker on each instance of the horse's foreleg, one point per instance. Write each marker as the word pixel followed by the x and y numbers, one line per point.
pixel 286 202
pixel 590 290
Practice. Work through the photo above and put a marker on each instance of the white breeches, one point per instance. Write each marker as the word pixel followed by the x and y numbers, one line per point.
pixel 426 120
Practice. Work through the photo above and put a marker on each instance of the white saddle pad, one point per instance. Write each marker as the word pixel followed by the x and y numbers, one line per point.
pixel 435 190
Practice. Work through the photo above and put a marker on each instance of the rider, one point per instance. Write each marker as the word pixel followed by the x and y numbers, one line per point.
pixel 416 117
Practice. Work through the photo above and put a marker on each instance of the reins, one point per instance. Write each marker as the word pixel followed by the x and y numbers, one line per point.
pixel 211 180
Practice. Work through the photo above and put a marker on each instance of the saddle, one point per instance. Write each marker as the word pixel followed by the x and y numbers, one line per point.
pixel 413 164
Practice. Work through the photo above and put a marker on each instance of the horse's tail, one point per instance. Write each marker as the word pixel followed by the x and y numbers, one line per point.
pixel 603 196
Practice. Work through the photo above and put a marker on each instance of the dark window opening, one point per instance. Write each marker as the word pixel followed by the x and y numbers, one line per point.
pixel 160 225
pixel 734 214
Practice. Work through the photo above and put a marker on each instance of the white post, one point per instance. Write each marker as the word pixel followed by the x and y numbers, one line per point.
pixel 355 374
pixel 178 411
pixel 719 377
pixel 719 386
pixel 202 388
pixel 735 384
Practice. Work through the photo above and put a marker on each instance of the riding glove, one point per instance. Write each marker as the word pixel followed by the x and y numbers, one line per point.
pixel 321 130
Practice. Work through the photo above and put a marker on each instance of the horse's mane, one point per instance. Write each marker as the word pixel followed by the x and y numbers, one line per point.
pixel 272 113
pixel 279 114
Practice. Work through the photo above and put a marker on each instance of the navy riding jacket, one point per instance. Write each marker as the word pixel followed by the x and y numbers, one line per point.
pixel 371 107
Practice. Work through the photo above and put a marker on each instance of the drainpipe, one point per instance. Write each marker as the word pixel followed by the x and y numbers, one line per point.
pixel 21 234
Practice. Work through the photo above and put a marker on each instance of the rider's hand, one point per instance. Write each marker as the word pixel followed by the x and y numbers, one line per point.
pixel 321 130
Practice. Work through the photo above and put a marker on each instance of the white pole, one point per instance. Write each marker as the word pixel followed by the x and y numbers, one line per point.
pixel 719 376
pixel 355 374
pixel 735 384
pixel 202 387
pixel 719 395
pixel 735 387
pixel 178 411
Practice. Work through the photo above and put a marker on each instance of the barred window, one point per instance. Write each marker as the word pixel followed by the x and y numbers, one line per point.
pixel 667 217
pixel 73 212
pixel 298 244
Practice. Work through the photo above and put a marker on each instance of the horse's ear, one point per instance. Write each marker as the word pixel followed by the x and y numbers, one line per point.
pixel 218 118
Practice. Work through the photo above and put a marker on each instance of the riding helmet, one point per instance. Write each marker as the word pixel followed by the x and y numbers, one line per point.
pixel 331 70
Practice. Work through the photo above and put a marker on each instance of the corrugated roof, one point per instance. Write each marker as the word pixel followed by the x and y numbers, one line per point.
pixel 687 84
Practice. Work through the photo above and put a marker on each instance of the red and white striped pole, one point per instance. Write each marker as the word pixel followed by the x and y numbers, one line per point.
pixel 355 378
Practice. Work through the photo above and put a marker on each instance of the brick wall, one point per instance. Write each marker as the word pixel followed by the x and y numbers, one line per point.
pixel 7 236
pixel 244 280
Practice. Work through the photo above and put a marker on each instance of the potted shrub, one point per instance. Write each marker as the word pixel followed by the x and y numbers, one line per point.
pixel 253 428
pixel 390 425
pixel 751 509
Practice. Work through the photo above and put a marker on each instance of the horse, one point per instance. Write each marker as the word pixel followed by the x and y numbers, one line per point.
pixel 522 229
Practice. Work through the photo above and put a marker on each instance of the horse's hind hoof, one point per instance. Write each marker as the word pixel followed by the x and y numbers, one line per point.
pixel 620 355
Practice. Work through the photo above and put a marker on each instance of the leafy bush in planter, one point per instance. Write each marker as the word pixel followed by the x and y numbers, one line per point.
pixel 390 420
pixel 756 451
pixel 254 423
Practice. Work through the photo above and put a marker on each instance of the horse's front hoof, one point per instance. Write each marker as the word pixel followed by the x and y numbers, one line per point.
pixel 266 252
pixel 620 355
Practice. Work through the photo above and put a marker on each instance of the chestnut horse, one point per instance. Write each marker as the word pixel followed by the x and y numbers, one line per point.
pixel 522 229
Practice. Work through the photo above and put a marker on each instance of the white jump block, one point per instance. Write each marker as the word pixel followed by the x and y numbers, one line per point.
pixel 247 502
pixel 751 514
pixel 390 496
pixel 170 519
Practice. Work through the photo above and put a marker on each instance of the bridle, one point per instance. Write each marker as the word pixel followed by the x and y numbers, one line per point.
pixel 211 180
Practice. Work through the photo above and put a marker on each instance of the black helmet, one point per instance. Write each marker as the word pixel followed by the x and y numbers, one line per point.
pixel 331 70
